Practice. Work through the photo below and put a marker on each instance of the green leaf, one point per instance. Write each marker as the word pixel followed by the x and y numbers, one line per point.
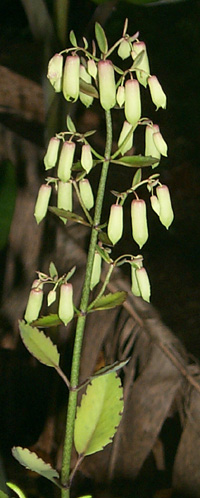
pixel 138 59
pixel 47 321
pixel 99 414
pixel 62 213
pixel 31 461
pixel 85 43
pixel 70 273
pixel 40 346
pixel 8 193
pixel 88 89
pixel 103 237
pixel 110 368
pixel 16 489
pixel 137 177
pixel 52 270
pixel 70 124
pixel 104 254
pixel 135 161
pixel 3 495
pixel 101 38
pixel 110 301
pixel 72 38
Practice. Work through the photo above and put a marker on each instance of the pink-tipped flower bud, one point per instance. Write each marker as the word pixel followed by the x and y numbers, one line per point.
pixel 107 90
pixel 86 193
pixel 71 78
pixel 124 49
pixel 66 161
pixel 160 143
pixel 150 147
pixel 42 202
pixel 139 221
pixel 92 68
pixel 34 304
pixel 55 70
pixel 51 155
pixel 143 69
pixel 134 283
pixel 65 307
pixel 158 96
pixel 64 199
pixel 85 76
pixel 86 157
pixel 166 214
pixel 143 284
pixel 96 271
pixel 124 133
pixel 115 223
pixel 132 107
pixel 120 95
pixel 155 204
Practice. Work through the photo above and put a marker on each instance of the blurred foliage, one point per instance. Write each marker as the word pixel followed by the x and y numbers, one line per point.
pixel 7 200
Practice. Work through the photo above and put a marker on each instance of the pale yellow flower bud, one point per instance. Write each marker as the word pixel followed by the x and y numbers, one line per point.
pixel 34 304
pixel 139 221
pixel 143 284
pixel 155 204
pixel 71 78
pixel 120 95
pixel 65 308
pixel 134 283
pixel 124 132
pixel 96 270
pixel 115 223
pixel 42 202
pixel 158 96
pixel 86 193
pixel 51 155
pixel 86 157
pixel 132 107
pixel 84 98
pixel 66 161
pixel 160 143
pixel 166 214
pixel 150 147
pixel 92 68
pixel 107 90
pixel 143 67
pixel 55 69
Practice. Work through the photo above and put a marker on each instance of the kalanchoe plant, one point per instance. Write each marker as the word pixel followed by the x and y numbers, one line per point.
pixel 81 74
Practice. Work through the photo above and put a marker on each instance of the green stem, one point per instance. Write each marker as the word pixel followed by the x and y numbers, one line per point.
pixel 71 412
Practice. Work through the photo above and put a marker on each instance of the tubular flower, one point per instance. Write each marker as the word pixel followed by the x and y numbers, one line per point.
pixel 132 107
pixel 42 202
pixel 155 204
pixel 150 146
pixel 86 157
pixel 158 96
pixel 124 132
pixel 64 199
pixel 65 307
pixel 51 155
pixel 86 193
pixel 120 95
pixel 143 284
pixel 160 143
pixel 143 66
pixel 55 69
pixel 166 214
pixel 34 302
pixel 66 161
pixel 107 90
pixel 71 78
pixel 115 223
pixel 134 283
pixel 96 271
pixel 85 76
pixel 139 221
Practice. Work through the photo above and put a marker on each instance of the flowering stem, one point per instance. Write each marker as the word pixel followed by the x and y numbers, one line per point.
pixel 71 412
pixel 106 281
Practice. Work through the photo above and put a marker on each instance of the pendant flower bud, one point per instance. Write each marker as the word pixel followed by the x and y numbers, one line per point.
pixel 134 283
pixel 71 78
pixel 34 304
pixel 92 68
pixel 132 107
pixel 66 161
pixel 166 214
pixel 55 69
pixel 51 155
pixel 42 202
pixel 160 143
pixel 107 90
pixel 139 221
pixel 96 271
pixel 64 199
pixel 124 49
pixel 86 157
pixel 84 98
pixel 150 147
pixel 158 96
pixel 155 204
pixel 115 223
pixel 120 95
pixel 65 307
pixel 143 284
pixel 143 71
pixel 124 132
pixel 86 193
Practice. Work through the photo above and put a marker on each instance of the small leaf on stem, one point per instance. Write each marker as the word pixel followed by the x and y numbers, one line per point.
pixel 31 461
pixel 40 346
pixel 101 38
